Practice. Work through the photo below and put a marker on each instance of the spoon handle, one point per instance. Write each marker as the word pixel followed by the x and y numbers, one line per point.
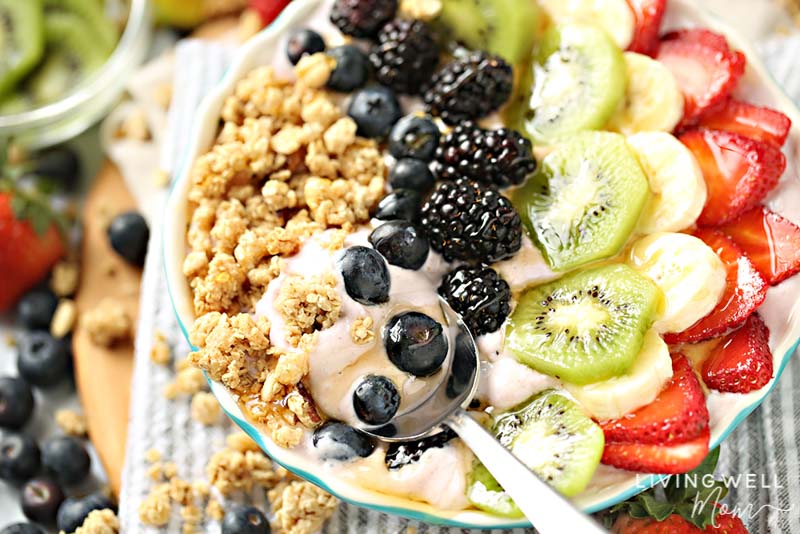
pixel 544 507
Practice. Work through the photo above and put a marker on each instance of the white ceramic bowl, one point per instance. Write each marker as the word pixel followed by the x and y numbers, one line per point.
pixel 781 311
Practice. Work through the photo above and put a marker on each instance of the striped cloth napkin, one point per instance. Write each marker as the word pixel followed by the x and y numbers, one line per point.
pixel 763 450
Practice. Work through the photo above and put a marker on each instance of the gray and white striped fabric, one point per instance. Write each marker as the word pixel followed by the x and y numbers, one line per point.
pixel 764 446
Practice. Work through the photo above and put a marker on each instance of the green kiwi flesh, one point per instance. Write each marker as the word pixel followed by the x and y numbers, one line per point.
pixel 21 40
pixel 554 438
pixel 585 327
pixel 73 55
pixel 578 83
pixel 584 200
pixel 91 11
pixel 505 27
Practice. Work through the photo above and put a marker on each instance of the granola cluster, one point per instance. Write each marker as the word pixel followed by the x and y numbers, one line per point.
pixel 286 165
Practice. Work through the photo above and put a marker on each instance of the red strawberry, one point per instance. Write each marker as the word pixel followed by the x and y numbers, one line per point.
pixel 673 524
pixel 726 523
pixel 769 240
pixel 762 124
pixel 739 172
pixel 648 15
pixel 677 415
pixel 25 256
pixel 706 72
pixel 745 290
pixel 743 361
pixel 662 459
pixel 269 9
pixel 698 35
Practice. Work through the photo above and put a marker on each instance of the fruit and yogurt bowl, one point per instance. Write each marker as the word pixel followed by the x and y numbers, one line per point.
pixel 591 207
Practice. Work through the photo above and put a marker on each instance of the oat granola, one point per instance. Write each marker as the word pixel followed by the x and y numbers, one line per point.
pixel 71 423
pixel 205 408
pixel 301 507
pixel 107 323
pixel 100 522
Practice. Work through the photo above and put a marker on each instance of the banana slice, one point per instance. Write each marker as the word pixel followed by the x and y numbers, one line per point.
pixel 678 190
pixel 613 16
pixel 615 397
pixel 690 275
pixel 653 101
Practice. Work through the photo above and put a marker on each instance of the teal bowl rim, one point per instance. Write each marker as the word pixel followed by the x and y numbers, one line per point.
pixel 641 484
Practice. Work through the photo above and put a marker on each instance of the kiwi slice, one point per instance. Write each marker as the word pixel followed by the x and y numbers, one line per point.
pixel 583 202
pixel 102 29
pixel 504 27
pixel 578 83
pixel 72 55
pixel 586 327
pixel 21 40
pixel 554 438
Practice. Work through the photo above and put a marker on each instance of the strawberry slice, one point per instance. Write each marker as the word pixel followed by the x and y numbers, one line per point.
pixel 25 256
pixel 698 35
pixel 653 458
pixel 648 15
pixel 743 361
pixel 706 72
pixel 268 10
pixel 770 241
pixel 726 523
pixel 677 415
pixel 739 172
pixel 745 290
pixel 761 124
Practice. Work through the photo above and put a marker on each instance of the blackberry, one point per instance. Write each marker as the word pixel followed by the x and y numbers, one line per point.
pixel 470 87
pixel 497 157
pixel 406 55
pixel 479 296
pixel 400 454
pixel 470 221
pixel 362 18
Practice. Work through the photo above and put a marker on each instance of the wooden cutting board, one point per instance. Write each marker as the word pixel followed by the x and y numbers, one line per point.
pixel 103 375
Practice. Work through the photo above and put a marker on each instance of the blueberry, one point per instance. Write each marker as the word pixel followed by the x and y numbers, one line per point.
pixel 41 498
pixel 60 164
pixel 400 204
pixel 129 234
pixel 338 441
pixel 245 520
pixel 375 110
pixel 401 243
pixel 414 136
pixel 73 512
pixel 19 458
pixel 22 528
pixel 351 70
pixel 408 173
pixel 66 459
pixel 415 343
pixel 43 360
pixel 36 308
pixel 376 400
pixel 16 402
pixel 366 277
pixel 304 42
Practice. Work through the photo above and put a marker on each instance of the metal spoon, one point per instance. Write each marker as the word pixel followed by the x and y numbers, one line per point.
pixel 545 508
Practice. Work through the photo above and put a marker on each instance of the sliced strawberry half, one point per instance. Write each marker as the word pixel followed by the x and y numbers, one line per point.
pixel 652 458
pixel 769 240
pixel 677 415
pixel 743 361
pixel 762 124
pixel 745 290
pixel 739 172
pixel 706 71
pixel 648 15
pixel 698 35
